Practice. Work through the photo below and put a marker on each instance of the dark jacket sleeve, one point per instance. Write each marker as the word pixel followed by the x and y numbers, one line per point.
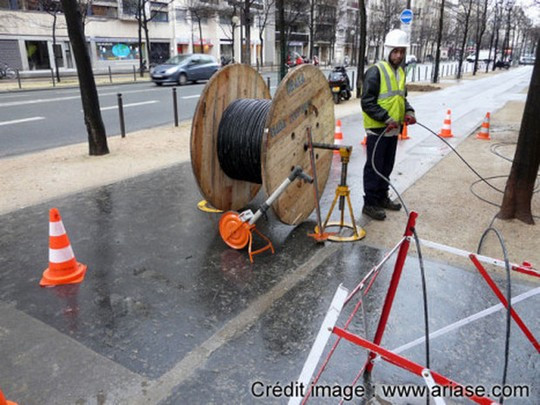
pixel 370 94
pixel 408 107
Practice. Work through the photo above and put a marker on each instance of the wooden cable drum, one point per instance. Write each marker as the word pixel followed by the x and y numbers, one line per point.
pixel 303 100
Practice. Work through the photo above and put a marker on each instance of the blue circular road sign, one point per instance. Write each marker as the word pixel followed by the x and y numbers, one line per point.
pixel 406 16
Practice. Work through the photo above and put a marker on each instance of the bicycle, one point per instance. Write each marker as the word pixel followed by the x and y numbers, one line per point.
pixel 7 73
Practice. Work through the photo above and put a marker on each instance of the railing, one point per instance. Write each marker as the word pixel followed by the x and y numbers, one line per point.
pixel 48 78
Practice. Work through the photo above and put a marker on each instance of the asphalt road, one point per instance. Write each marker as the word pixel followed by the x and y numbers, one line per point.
pixel 36 120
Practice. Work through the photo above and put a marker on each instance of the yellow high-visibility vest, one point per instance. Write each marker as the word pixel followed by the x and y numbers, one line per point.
pixel 391 95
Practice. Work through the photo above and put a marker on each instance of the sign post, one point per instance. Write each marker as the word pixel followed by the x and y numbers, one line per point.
pixel 406 18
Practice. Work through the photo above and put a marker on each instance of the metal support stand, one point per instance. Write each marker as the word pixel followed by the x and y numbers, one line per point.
pixel 343 193
pixel 319 235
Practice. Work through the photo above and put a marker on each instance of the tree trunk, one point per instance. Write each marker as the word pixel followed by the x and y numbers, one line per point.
pixel 361 48
pixel 311 28
pixel 497 27
pixel 55 57
pixel 262 46
pixel 145 20
pixel 139 20
pixel 435 78
pixel 464 42
pixel 282 40
pixel 97 138
pixel 200 37
pixel 480 30
pixel 247 18
pixel 520 184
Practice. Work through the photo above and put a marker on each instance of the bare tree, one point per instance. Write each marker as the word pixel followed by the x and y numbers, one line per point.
pixel 325 24
pixel 361 47
pixel 53 8
pixel 520 184
pixel 463 20
pixel 435 77
pixel 263 17
pixel 228 24
pixel 200 11
pixel 311 26
pixel 282 38
pixel 97 137
pixel 481 23
pixel 144 11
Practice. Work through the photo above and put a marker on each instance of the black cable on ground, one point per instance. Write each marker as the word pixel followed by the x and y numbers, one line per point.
pixel 508 298
pixel 481 179
pixel 461 157
pixel 240 136
pixel 420 258
pixel 506 262
pixel 471 189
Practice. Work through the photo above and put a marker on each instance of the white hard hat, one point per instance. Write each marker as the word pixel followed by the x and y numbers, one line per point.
pixel 396 39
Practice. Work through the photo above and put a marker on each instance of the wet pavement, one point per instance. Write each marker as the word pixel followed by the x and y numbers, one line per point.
pixel 168 314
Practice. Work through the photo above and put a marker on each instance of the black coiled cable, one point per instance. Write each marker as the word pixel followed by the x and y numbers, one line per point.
pixel 240 135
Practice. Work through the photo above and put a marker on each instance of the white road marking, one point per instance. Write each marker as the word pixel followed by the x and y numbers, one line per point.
pixel 47 100
pixel 130 105
pixel 194 96
pixel 21 120
pixel 38 100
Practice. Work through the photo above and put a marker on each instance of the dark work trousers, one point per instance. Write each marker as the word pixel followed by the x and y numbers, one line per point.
pixel 376 188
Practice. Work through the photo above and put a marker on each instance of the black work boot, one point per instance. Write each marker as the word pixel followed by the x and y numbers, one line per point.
pixel 374 212
pixel 388 204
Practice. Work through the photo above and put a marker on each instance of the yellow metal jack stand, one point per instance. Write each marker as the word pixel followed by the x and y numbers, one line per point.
pixel 342 193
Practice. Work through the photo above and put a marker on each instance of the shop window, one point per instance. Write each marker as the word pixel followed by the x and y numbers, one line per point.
pixel 38 55
pixel 116 51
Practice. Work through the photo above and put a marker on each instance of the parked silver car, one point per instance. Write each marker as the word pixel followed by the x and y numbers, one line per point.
pixel 183 68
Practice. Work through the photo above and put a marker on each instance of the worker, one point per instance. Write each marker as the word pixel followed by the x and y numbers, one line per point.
pixel 385 109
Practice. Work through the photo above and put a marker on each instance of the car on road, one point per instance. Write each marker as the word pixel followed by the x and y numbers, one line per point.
pixel 184 68
pixel 527 60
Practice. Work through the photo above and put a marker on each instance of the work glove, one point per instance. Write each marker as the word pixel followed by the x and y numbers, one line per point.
pixel 410 119
pixel 391 124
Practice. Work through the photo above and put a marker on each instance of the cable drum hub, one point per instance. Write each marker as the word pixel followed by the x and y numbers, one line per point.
pixel 240 136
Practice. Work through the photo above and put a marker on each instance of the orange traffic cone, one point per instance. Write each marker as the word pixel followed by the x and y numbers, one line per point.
pixel 364 141
pixel 4 401
pixel 63 268
pixel 446 131
pixel 338 135
pixel 404 133
pixel 484 129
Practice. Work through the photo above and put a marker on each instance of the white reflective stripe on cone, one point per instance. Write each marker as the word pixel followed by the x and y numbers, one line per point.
pixel 61 255
pixel 56 228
